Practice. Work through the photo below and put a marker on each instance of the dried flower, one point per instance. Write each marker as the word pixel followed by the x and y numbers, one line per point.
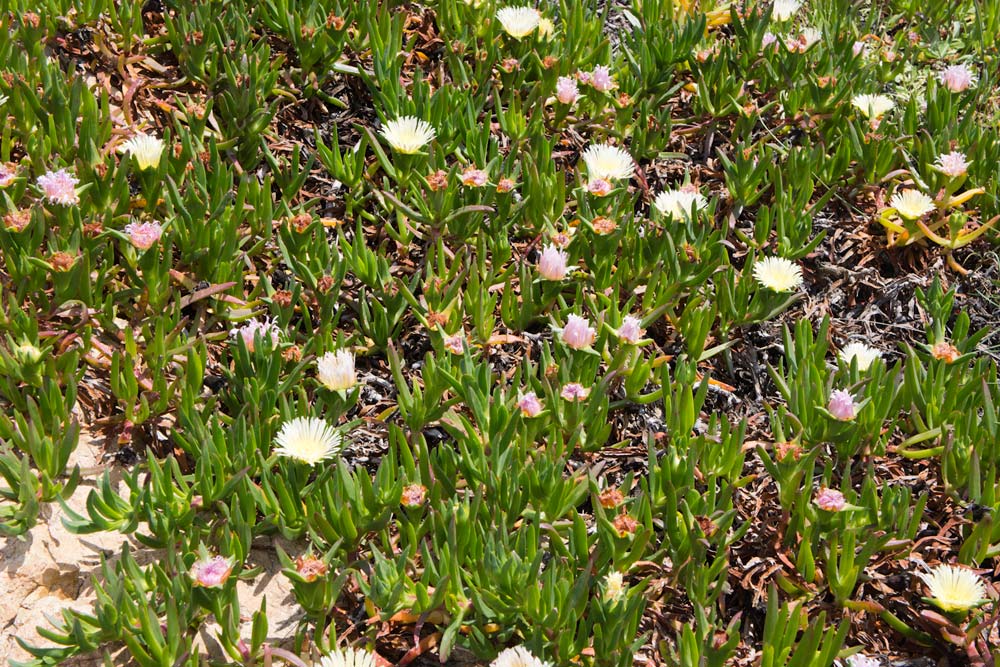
pixel 864 354
pixel 455 343
pixel 474 177
pixel 678 204
pixel 873 107
pixel 529 404
pixel 348 657
pixel 413 496
pixel 143 235
pixel 16 221
pixel 578 333
pixel 211 572
pixel 437 180
pixel 952 164
pixel 625 525
pixel 603 226
pixel 518 656
pixel 841 405
pixel 954 588
pixel 614 586
pixel 7 174
pixel 778 274
pixel 519 22
pixel 830 500
pixel 145 148
pixel 310 568
pixel 505 184
pixel 782 10
pixel 552 263
pixel 630 331
pixel 567 91
pixel 62 261
pixel 59 187
pixel 574 391
pixel 307 439
pixel 611 498
pixel 911 204
pixel 945 351
pixel 251 328
pixel 408 134
pixel 335 370
pixel 957 78
pixel 607 162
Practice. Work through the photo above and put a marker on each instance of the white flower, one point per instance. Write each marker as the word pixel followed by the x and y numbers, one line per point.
pixel 873 106
pixel 954 588
pixel 953 164
pixel 783 10
pixel 865 354
pixel 408 134
pixel 778 274
pixel 808 38
pixel 912 204
pixel 630 330
pixel 606 162
pixel 518 657
pixel 614 586
pixel 519 22
pixel 957 78
pixel 335 370
pixel 307 439
pixel 552 263
pixel 145 148
pixel 348 657
pixel 3 100
pixel 59 187
pixel 860 660
pixel 678 203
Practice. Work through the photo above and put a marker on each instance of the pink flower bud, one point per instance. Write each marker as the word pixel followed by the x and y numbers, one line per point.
pixel 143 235
pixel 552 263
pixel 529 404
pixel 841 405
pixel 566 90
pixel 578 333
pixel 830 500
pixel 574 391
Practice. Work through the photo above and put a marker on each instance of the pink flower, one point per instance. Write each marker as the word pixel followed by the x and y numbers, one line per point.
pixel 566 90
pixel 601 79
pixel 957 78
pixel 952 164
pixel 474 177
pixel 599 187
pixel 574 391
pixel 455 343
pixel 841 405
pixel 629 331
pixel 584 77
pixel 211 572
pixel 143 235
pixel 768 40
pixel 552 263
pixel 59 187
pixel 858 48
pixel 860 660
pixel 529 404
pixel 578 333
pixel 251 328
pixel 7 174
pixel 830 500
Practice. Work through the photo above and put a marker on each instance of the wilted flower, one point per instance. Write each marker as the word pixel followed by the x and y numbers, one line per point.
pixel 474 177
pixel 505 184
pixel 944 350
pixel 599 187
pixel 611 498
pixel 911 204
pixel 518 656
pixel 873 107
pixel 601 79
pixel 782 10
pixel 607 162
pixel 348 657
pixel 7 174
pixel 455 343
pixel 957 78
pixel 625 525
pixel 603 226
pixel 777 274
pixel 629 331
pixel 253 327
pixel 143 235
pixel 952 164
pixel 529 404
pixel 574 391
pixel 310 568
pixel 307 439
pixel 954 588
pixel 335 370
pixel 59 187
pixel 567 90
pixel 865 355
pixel 519 22
pixel 830 500
pixel 145 148
pixel 552 263
pixel 614 586
pixel 408 134
pixel 211 572
pixel 546 28
pixel 62 261
pixel 678 203
pixel 413 495
pixel 807 38
pixel 578 333
pixel 841 405
pixel 437 180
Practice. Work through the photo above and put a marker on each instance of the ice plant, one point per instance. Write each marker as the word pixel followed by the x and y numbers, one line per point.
pixel 408 134
pixel 7 174
pixel 145 148
pixel 529 404
pixel 552 263
pixel 59 187
pixel 957 78
pixel 211 572
pixel 911 204
pixel 546 28
pixel 953 164
pixel 578 333
pixel 335 370
pixel 629 331
pixel 143 235
pixel 455 343
pixel 348 657
pixel 307 439
pixel 413 495
pixel 782 10
pixel 566 90
pixel 954 588
pixel 830 500
pixel 679 203
pixel 777 274
pixel 519 22
pixel 864 354
pixel 841 405
pixel 574 391
pixel 474 177
pixel 601 79
pixel 607 163
pixel 614 586
pixel 517 656
pixel 873 107
pixel 253 327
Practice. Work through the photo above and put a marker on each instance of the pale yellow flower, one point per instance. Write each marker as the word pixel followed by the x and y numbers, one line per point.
pixel 777 274
pixel 408 134
pixel 519 22
pixel 954 588
pixel 146 149
pixel 335 370
pixel 873 106
pixel 865 355
pixel 607 163
pixel 348 657
pixel 307 439
pixel 911 204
